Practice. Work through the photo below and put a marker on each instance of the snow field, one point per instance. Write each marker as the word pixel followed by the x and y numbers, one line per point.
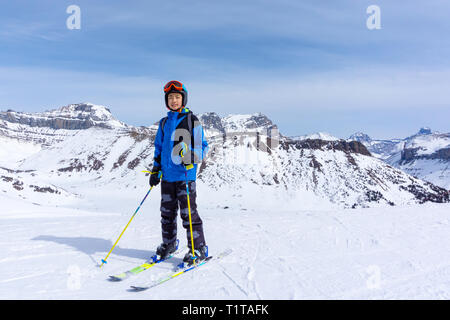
pixel 290 253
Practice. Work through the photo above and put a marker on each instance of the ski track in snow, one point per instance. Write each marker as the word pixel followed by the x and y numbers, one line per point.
pixel 376 253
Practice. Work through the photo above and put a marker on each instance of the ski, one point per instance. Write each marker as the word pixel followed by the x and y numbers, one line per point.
pixel 181 270
pixel 136 270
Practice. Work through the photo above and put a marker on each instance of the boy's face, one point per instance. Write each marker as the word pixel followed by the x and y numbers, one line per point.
pixel 174 100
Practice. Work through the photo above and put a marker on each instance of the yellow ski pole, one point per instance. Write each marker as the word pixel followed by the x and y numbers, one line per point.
pixel 104 260
pixel 189 211
pixel 187 167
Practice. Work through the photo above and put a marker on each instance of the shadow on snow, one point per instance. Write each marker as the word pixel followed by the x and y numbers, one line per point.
pixel 90 246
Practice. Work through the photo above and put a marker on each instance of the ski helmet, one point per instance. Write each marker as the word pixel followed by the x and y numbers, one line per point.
pixel 178 87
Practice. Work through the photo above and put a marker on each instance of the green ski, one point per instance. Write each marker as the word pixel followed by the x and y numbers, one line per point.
pixel 136 270
pixel 178 272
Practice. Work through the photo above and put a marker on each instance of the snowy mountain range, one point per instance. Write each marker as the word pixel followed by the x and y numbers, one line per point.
pixel 73 152
pixel 425 154
pixel 318 135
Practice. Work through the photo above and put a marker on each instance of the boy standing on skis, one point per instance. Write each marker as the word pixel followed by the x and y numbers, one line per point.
pixel 180 145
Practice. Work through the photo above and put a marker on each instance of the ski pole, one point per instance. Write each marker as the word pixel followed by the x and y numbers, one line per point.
pixel 189 211
pixel 104 260
pixel 187 167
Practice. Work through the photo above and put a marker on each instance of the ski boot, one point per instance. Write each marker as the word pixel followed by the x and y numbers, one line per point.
pixel 200 255
pixel 164 250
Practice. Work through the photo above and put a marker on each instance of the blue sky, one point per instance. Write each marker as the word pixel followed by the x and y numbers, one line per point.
pixel 308 65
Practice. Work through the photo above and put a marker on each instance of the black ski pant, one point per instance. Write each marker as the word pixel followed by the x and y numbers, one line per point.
pixel 174 196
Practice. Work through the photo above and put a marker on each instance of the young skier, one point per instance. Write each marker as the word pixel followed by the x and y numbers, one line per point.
pixel 180 145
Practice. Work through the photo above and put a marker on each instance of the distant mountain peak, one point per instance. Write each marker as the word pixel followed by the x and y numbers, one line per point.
pixel 247 121
pixel 236 122
pixel 85 110
pixel 424 130
pixel 361 137
pixel 318 135
pixel 72 117
pixel 85 107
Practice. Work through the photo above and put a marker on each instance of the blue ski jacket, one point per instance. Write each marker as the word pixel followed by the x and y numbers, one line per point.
pixel 173 135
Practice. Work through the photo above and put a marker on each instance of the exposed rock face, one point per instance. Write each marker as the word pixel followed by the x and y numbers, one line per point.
pixel 409 155
pixel 211 121
pixel 341 145
pixel 73 117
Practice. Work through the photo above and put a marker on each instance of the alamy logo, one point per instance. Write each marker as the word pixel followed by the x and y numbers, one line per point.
pixel 74 20
pixel 247 142
pixel 374 20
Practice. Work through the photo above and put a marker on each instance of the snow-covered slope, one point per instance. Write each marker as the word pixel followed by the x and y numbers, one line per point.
pixel 31 187
pixel 398 252
pixel 340 172
pixel 318 135
pixel 13 150
pixel 50 127
pixel 428 146
pixel 66 193
pixel 425 154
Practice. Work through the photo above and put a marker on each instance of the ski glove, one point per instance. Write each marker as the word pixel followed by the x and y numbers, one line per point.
pixel 155 176
pixel 184 150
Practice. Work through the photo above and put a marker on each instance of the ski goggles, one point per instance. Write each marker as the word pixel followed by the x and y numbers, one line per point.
pixel 173 84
